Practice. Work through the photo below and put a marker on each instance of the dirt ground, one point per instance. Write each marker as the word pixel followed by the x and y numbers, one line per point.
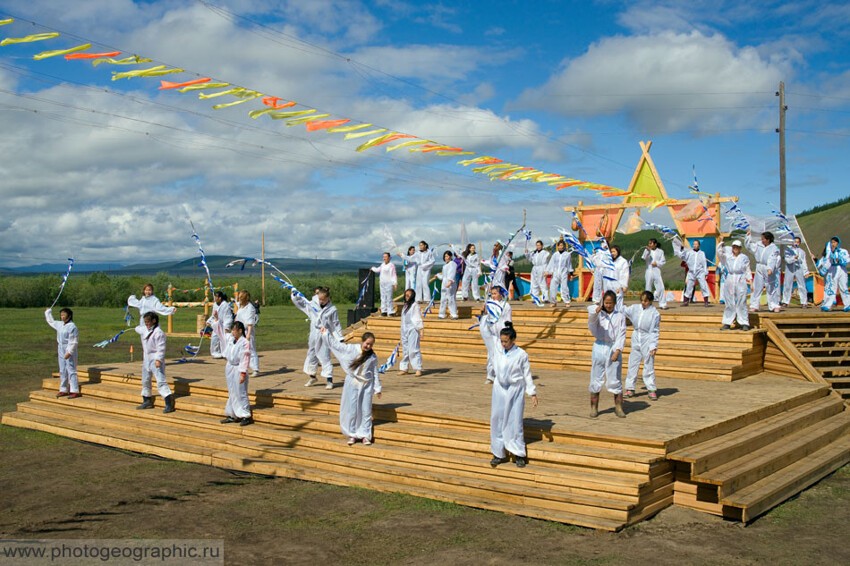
pixel 57 488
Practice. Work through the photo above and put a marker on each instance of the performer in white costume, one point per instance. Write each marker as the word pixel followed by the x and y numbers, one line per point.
pixel 697 270
pixel 512 383
pixel 448 290
pixel 559 267
pixel 498 265
pixel 655 260
pixel 425 260
pixel 832 266
pixel 608 327
pixel 600 256
pixel 646 327
pixel 149 303
pixel 224 311
pixel 471 273
pixel 362 380
pixel 153 362
pixel 67 340
pixel 410 268
pixel 322 314
pixel 496 312
pixel 616 278
pixel 539 258
pixel 387 282
pixel 738 276
pixel 237 352
pixel 768 262
pixel 248 316
pixel 412 328
pixel 795 272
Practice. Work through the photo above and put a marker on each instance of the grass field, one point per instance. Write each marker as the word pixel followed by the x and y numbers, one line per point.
pixel 53 487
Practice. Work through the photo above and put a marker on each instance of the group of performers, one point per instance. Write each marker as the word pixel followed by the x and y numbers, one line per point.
pixel 508 370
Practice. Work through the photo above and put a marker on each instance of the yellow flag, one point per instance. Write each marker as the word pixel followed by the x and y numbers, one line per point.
pixel 7 21
pixel 342 129
pixel 132 60
pixel 297 121
pixel 46 54
pixel 362 134
pixel 203 86
pixel 157 71
pixel 29 38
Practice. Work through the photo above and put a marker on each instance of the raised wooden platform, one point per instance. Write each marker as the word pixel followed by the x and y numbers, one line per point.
pixel 733 448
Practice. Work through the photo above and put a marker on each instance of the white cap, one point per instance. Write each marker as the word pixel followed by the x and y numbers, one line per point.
pixel 736 243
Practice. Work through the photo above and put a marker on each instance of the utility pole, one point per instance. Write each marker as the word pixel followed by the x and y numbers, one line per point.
pixel 781 130
pixel 263 267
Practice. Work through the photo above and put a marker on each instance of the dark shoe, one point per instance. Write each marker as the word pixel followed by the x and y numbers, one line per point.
pixel 594 405
pixel 147 403
pixel 169 404
pixel 62 394
pixel 745 328
pixel 521 462
pixel 686 301
pixel 228 420
pixel 246 421
pixel 496 461
pixel 653 396
pixel 706 302
pixel 74 395
pixel 725 327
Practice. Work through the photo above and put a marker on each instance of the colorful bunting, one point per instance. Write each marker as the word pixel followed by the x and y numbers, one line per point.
pixel 28 38
pixel 73 56
pixel 56 52
pixel 166 85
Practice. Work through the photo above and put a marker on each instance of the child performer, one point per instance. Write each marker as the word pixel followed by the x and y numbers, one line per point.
pixel 795 271
pixel 411 334
pixel 608 327
pixel 471 273
pixel 409 268
pixel 247 315
pixel 560 266
pixel 224 312
pixel 496 312
pixel 539 258
pixel 697 270
pixel 237 352
pixel 425 260
pixel 149 303
pixel 737 267
pixel 322 314
pixel 617 278
pixel 67 338
pixel 362 380
pixel 498 267
pixel 833 268
pixel 655 260
pixel 768 262
pixel 153 362
pixel 448 291
pixel 646 324
pixel 388 282
pixel 512 383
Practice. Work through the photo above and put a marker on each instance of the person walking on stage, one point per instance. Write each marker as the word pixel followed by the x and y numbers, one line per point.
pixel 409 268
pixel 387 282
pixel 153 362
pixel 768 262
pixel 425 260
pixel 832 266
pixel 795 272
pixel 737 268
pixel 655 260
pixel 512 382
pixel 224 311
pixel 470 274
pixel 249 316
pixel 697 266
pixel 496 312
pixel 412 328
pixel 560 266
pixel 615 277
pixel 322 314
pixel 67 339
pixel 608 327
pixel 646 327
pixel 237 352
pixel 448 289
pixel 539 258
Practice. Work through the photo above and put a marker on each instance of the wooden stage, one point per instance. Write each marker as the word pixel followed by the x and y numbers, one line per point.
pixel 732 447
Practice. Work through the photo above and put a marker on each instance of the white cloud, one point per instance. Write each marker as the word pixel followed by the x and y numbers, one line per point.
pixel 665 82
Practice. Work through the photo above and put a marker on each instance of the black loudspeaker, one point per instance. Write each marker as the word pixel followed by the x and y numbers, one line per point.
pixel 366 297
pixel 355 315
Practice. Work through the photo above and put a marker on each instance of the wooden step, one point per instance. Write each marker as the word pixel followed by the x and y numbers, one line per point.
pixel 765 494
pixel 741 472
pixel 722 449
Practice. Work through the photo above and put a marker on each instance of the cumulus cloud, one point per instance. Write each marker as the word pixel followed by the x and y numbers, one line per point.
pixel 666 81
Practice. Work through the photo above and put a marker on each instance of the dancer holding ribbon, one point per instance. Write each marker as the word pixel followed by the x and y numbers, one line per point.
pixel 67 339
pixel 832 266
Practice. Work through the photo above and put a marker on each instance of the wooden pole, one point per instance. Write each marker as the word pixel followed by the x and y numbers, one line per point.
pixel 263 268
pixel 781 130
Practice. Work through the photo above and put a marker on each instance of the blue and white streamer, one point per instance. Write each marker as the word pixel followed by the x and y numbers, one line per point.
pixel 64 280
pixel 108 341
pixel 390 361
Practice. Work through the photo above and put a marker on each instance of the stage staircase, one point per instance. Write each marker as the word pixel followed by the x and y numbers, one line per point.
pixel 559 339
pixel 591 481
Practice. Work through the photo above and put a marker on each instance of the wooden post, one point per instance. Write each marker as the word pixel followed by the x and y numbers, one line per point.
pixel 170 326
pixel 263 268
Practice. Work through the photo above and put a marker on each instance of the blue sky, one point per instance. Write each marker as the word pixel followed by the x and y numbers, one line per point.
pixel 105 170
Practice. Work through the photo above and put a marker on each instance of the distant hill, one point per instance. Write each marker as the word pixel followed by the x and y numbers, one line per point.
pixel 191 266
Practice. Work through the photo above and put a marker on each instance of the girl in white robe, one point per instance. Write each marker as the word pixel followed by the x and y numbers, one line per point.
pixel 322 314
pixel 149 303
pixel 833 268
pixel 425 260
pixel 496 312
pixel 471 273
pixel 512 383
pixel 448 290
pixel 768 262
pixel 237 352
pixel 737 267
pixel 248 316
pixel 560 266
pixel 646 327
pixel 608 327
pixel 539 258
pixel 67 339
pixel 411 335
pixel 409 268
pixel 697 264
pixel 362 380
pixel 224 311
pixel 153 362
pixel 387 282
pixel 655 260
pixel 616 278
pixel 795 272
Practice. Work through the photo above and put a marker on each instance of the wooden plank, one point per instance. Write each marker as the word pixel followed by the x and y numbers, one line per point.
pixel 799 361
